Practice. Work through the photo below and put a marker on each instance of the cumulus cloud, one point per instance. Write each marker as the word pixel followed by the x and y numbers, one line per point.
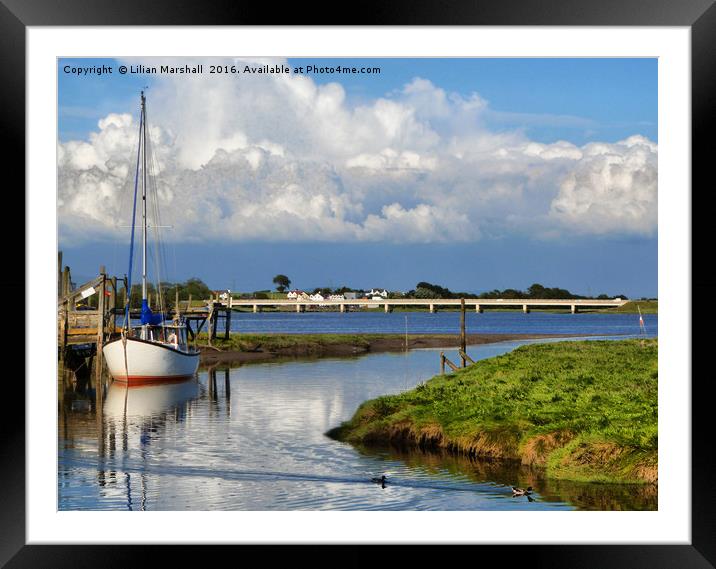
pixel 612 188
pixel 283 158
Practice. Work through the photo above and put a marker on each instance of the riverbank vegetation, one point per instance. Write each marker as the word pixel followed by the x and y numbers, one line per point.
pixel 584 411
pixel 241 347
pixel 646 307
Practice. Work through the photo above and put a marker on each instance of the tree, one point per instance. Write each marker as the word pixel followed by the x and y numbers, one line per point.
pixel 536 291
pixel 282 282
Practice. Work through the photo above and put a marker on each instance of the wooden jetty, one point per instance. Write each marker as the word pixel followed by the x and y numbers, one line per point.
pixel 87 317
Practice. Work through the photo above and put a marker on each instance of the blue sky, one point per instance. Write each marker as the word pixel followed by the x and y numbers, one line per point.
pixel 471 173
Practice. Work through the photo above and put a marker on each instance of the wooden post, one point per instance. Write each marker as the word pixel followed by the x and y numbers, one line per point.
pixel 211 328
pixel 452 365
pixel 66 281
pixel 59 274
pixel 463 338
pixel 98 360
pixel 113 303
pixel 188 305
pixel 65 326
pixel 442 363
pixel 227 331
pixel 215 323
pixel 464 357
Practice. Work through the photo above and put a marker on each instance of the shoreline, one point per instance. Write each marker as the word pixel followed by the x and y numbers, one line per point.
pixel 269 347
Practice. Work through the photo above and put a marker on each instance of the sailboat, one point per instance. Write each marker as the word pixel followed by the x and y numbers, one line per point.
pixel 157 349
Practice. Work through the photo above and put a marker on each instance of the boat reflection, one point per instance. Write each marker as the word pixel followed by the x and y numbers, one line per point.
pixel 133 417
pixel 148 400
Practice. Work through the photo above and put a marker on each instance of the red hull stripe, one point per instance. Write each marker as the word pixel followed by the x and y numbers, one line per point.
pixel 144 379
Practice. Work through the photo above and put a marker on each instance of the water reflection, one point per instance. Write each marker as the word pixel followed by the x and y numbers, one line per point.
pixel 136 416
pixel 149 400
pixel 252 438
pixel 511 473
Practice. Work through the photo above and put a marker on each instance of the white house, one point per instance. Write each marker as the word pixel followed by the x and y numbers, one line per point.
pixel 297 294
pixel 317 297
pixel 336 297
pixel 377 293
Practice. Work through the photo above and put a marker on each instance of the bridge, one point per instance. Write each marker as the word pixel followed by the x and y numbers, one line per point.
pixel 477 304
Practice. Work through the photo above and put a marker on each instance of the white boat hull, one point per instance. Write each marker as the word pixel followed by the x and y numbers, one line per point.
pixel 148 362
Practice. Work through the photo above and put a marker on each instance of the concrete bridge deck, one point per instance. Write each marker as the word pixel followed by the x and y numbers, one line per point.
pixel 478 304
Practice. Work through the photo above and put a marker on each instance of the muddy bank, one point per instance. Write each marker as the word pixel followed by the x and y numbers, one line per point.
pixel 268 347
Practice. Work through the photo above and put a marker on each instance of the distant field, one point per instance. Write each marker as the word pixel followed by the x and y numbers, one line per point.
pixel 646 307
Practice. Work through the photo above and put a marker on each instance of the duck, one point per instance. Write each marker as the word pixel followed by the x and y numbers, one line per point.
pixel 380 481
pixel 521 491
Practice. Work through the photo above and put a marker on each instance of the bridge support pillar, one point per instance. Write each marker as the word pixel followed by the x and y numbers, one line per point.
pixel 574 309
pixel 343 308
pixel 479 309
pixel 256 308
pixel 300 308
pixel 432 309
pixel 525 309
pixel 388 308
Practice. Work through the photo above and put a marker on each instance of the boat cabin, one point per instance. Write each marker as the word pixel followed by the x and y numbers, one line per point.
pixel 173 335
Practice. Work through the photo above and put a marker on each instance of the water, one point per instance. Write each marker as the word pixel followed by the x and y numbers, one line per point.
pixel 445 322
pixel 252 437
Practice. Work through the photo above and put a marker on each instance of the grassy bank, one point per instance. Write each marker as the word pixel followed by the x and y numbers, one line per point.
pixel 310 343
pixel 646 307
pixel 240 347
pixel 584 411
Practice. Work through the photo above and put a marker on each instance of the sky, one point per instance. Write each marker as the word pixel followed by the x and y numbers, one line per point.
pixel 473 174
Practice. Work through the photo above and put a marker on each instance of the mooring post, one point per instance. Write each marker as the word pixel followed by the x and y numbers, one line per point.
pixel 463 338
pixel 442 363
pixel 66 281
pixel 65 325
pixel 59 274
pixel 210 323
pixel 113 303
pixel 100 338
pixel 227 331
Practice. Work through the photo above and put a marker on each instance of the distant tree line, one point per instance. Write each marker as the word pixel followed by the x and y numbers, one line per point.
pixel 428 290
pixel 194 287
pixel 198 290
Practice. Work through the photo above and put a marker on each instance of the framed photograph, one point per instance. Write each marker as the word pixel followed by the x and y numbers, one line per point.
pixel 390 283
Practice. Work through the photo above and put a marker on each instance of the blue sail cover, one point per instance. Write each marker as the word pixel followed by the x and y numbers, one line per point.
pixel 148 317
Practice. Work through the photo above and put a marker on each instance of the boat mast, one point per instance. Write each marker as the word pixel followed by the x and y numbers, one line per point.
pixel 144 202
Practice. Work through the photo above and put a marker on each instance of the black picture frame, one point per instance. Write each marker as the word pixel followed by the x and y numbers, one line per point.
pixel 699 15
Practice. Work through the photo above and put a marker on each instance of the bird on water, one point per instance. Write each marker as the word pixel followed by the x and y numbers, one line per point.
pixel 521 491
pixel 380 481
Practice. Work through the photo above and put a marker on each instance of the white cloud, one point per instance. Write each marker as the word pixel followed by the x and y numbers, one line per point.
pixel 612 189
pixel 282 158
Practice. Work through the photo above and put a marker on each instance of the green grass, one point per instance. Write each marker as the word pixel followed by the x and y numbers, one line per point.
pixel 307 342
pixel 583 410
pixel 646 307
